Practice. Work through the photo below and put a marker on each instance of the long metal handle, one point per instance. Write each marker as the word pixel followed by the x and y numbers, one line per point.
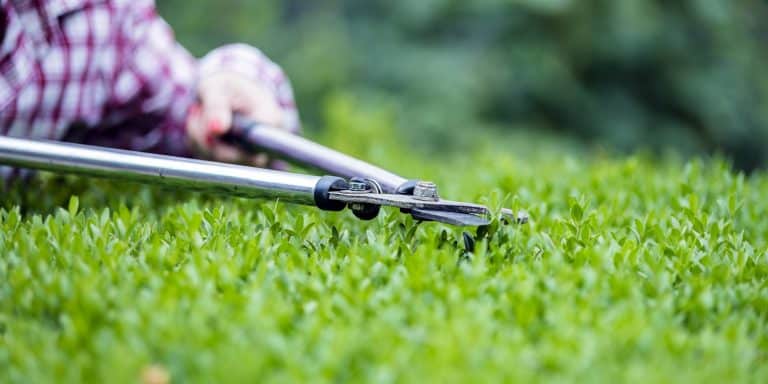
pixel 159 170
pixel 288 146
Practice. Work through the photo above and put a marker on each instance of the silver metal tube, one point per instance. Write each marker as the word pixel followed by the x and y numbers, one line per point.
pixel 299 150
pixel 157 169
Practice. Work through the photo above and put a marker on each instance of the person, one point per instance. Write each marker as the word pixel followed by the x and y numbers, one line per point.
pixel 110 73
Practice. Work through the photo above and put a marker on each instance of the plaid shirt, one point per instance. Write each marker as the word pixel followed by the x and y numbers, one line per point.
pixel 109 72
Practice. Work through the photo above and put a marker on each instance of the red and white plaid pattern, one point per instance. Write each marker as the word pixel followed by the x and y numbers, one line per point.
pixel 109 72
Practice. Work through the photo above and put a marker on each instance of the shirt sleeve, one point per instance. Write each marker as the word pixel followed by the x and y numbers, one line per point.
pixel 156 83
pixel 153 87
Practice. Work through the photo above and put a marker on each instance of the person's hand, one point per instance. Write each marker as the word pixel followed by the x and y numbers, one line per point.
pixel 221 95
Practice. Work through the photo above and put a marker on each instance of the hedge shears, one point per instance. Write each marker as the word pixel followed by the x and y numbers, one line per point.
pixel 351 183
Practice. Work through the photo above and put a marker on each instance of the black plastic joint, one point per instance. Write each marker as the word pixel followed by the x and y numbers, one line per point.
pixel 407 187
pixel 328 184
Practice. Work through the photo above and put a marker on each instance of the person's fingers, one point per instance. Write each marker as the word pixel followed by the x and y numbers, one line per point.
pixel 216 97
pixel 259 160
pixel 227 153
pixel 255 101
pixel 221 96
pixel 260 104
pixel 196 131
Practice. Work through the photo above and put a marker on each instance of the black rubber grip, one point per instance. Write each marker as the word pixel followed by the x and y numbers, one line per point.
pixel 325 185
pixel 238 134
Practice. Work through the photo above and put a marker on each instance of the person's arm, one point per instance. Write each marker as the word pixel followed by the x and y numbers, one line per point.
pixel 190 102
pixel 239 78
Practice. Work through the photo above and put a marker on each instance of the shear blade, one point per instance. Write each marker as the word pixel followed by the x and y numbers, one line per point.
pixel 453 218
pixel 407 202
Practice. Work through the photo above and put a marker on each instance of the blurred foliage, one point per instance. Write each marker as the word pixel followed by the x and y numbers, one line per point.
pixel 687 74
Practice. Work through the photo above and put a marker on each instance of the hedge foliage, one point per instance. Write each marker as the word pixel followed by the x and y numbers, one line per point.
pixel 638 269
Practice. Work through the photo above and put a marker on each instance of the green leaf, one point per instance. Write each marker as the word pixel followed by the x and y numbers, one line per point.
pixel 74 204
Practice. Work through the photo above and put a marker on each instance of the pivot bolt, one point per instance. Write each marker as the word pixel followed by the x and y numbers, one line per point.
pixel 426 190
pixel 358 185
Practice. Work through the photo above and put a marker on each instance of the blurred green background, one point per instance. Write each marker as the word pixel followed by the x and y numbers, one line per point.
pixel 620 75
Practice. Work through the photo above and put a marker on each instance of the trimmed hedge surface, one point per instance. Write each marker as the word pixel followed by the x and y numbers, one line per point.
pixel 630 269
